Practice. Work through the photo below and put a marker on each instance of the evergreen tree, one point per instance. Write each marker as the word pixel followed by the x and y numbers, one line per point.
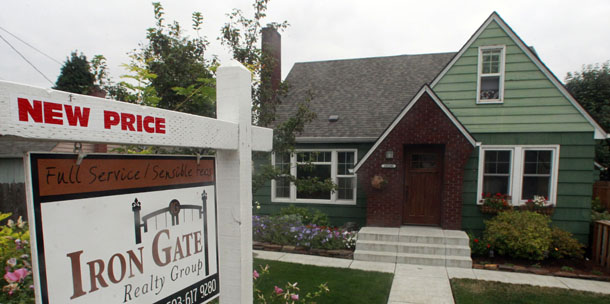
pixel 75 75
pixel 591 87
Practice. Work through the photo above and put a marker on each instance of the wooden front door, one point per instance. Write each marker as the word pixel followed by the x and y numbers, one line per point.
pixel 423 185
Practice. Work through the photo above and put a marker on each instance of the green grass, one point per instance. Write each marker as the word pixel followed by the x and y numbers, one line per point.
pixel 346 285
pixel 473 291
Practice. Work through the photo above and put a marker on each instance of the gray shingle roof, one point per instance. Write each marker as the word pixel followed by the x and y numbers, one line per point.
pixel 366 94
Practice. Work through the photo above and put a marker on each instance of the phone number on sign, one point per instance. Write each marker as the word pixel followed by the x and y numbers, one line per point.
pixel 198 293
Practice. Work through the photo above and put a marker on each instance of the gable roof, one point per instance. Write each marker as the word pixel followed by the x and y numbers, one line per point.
pixel 424 90
pixel 365 93
pixel 600 133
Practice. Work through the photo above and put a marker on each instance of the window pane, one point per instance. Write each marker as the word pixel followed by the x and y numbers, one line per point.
pixel 495 184
pixel 496 174
pixel 537 162
pixel 490 87
pixel 420 161
pixel 323 157
pixel 491 61
pixel 497 162
pixel 345 162
pixel 321 172
pixel 282 162
pixel 282 187
pixel 535 185
pixel 346 188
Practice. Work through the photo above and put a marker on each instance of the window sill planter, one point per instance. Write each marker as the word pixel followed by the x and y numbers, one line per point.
pixel 491 210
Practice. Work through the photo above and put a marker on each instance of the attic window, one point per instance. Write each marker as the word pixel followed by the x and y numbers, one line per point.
pixel 333 118
pixel 490 86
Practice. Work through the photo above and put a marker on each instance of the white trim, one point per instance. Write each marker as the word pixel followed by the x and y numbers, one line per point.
pixel 424 89
pixel 516 178
pixel 500 73
pixel 334 200
pixel 334 140
pixel 599 166
pixel 599 131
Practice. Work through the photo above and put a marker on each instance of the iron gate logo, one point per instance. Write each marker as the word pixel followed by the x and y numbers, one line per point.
pixel 173 209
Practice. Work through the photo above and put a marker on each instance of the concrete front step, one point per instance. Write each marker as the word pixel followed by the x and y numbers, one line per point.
pixel 408 234
pixel 411 258
pixel 434 260
pixel 414 245
pixel 417 248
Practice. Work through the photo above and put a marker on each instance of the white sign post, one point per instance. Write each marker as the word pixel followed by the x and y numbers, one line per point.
pixel 40 114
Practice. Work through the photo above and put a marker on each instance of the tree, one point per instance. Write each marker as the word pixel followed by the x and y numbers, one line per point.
pixel 591 87
pixel 242 35
pixel 75 75
pixel 170 70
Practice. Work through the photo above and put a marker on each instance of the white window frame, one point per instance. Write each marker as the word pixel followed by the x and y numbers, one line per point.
pixel 333 173
pixel 482 170
pixel 517 167
pixel 502 49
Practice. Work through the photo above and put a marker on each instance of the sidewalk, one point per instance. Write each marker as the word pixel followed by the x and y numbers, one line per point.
pixel 430 284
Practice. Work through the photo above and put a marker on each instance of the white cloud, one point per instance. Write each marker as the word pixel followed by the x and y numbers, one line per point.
pixel 566 34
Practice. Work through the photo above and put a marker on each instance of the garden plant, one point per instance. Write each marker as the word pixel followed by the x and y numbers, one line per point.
pixel 17 286
pixel 525 235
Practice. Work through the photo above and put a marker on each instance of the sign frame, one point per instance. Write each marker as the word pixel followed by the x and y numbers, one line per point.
pixel 36 199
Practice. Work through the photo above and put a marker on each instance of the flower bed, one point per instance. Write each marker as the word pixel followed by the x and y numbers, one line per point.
pixel 17 286
pixel 288 233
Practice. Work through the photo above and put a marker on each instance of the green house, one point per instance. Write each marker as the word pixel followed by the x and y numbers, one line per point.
pixel 420 139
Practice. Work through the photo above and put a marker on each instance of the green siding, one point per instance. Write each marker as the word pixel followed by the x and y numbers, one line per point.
pixel 531 102
pixel 574 185
pixel 338 214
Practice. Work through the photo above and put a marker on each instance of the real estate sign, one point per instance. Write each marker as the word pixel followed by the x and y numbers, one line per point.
pixel 123 229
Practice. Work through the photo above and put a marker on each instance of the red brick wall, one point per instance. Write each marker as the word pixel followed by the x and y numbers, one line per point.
pixel 425 123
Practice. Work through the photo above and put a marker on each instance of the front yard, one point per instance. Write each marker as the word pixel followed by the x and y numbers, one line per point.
pixel 467 291
pixel 346 285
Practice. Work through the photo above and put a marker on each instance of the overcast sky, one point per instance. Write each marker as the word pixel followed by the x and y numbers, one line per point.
pixel 566 34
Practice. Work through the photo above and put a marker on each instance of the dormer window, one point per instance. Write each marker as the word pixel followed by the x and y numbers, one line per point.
pixel 490 84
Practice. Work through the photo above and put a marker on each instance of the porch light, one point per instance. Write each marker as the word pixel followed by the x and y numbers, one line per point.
pixel 389 154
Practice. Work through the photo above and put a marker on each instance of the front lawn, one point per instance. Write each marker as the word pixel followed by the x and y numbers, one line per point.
pixel 346 285
pixel 474 291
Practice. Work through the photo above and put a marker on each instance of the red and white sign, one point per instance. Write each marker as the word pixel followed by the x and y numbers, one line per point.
pixel 36 111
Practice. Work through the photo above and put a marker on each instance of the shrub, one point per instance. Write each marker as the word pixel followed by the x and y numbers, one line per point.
pixel 478 246
pixel 275 229
pixel 17 285
pixel 524 234
pixel 288 294
pixel 564 245
pixel 308 216
pixel 600 216
pixel 596 205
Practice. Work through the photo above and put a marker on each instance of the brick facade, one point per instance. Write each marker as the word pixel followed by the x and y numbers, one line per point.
pixel 424 124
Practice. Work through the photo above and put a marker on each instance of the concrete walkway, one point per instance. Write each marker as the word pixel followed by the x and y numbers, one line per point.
pixel 430 284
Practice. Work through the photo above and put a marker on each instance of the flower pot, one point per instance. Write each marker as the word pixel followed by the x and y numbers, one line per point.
pixel 378 182
pixel 490 210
